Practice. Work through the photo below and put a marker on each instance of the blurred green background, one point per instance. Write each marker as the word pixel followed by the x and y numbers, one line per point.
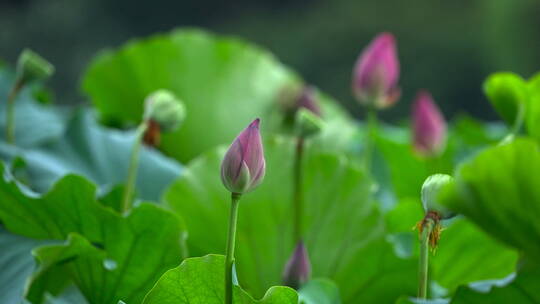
pixel 447 47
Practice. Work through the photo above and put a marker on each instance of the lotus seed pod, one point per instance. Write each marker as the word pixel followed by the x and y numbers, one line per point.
pixel 430 192
pixel 376 73
pixel 307 123
pixel 31 66
pixel 244 166
pixel 165 109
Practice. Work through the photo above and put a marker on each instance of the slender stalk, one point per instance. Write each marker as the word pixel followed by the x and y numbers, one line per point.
pixel 370 138
pixel 520 116
pixel 424 258
pixel 10 111
pixel 297 189
pixel 229 255
pixel 133 165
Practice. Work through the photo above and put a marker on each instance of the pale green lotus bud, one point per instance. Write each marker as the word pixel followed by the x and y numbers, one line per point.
pixel 308 123
pixel 430 192
pixel 31 66
pixel 163 108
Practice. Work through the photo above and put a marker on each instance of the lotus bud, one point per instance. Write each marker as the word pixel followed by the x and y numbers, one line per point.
pixel 307 123
pixel 298 269
pixel 307 100
pixel 429 126
pixel 243 166
pixel 430 192
pixel 163 108
pixel 31 66
pixel 376 73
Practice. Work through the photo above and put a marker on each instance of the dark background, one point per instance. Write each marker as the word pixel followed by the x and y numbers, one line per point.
pixel 447 47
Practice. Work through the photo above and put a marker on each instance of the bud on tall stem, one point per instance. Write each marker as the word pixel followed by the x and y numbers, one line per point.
pixel 30 67
pixel 376 73
pixel 163 113
pixel 429 126
pixel 297 271
pixel 242 170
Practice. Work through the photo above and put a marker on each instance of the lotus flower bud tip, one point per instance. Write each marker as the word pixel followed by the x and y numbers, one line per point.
pixel 376 73
pixel 429 126
pixel 298 268
pixel 244 166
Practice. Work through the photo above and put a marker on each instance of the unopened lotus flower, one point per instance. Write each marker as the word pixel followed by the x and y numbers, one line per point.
pixel 376 73
pixel 308 100
pixel 429 126
pixel 243 166
pixel 298 269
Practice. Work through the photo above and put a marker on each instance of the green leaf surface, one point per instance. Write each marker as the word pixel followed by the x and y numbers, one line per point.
pixel 319 291
pixel 464 254
pixel 343 230
pixel 16 265
pixel 506 92
pixel 97 153
pixel 201 280
pixel 520 288
pixel 109 256
pixel 499 192
pixel 533 110
pixel 225 83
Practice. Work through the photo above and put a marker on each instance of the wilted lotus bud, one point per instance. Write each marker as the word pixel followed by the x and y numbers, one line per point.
pixel 163 108
pixel 298 269
pixel 376 73
pixel 307 123
pixel 430 191
pixel 31 66
pixel 243 166
pixel 429 126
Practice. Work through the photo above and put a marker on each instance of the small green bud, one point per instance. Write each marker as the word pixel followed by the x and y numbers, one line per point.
pixel 31 66
pixel 308 123
pixel 507 92
pixel 165 109
pixel 430 192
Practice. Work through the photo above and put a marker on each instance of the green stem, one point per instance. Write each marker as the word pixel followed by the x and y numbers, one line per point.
pixel 424 258
pixel 133 165
pixel 520 116
pixel 370 138
pixel 10 111
pixel 297 190
pixel 229 254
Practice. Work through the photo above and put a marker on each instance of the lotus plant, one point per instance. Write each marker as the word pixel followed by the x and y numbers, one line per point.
pixel 242 170
pixel 375 82
pixel 163 113
pixel 308 122
pixel 430 226
pixel 429 126
pixel 30 67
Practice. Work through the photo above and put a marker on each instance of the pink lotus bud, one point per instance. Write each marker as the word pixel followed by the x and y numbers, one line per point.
pixel 308 100
pixel 429 126
pixel 376 73
pixel 298 269
pixel 243 166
